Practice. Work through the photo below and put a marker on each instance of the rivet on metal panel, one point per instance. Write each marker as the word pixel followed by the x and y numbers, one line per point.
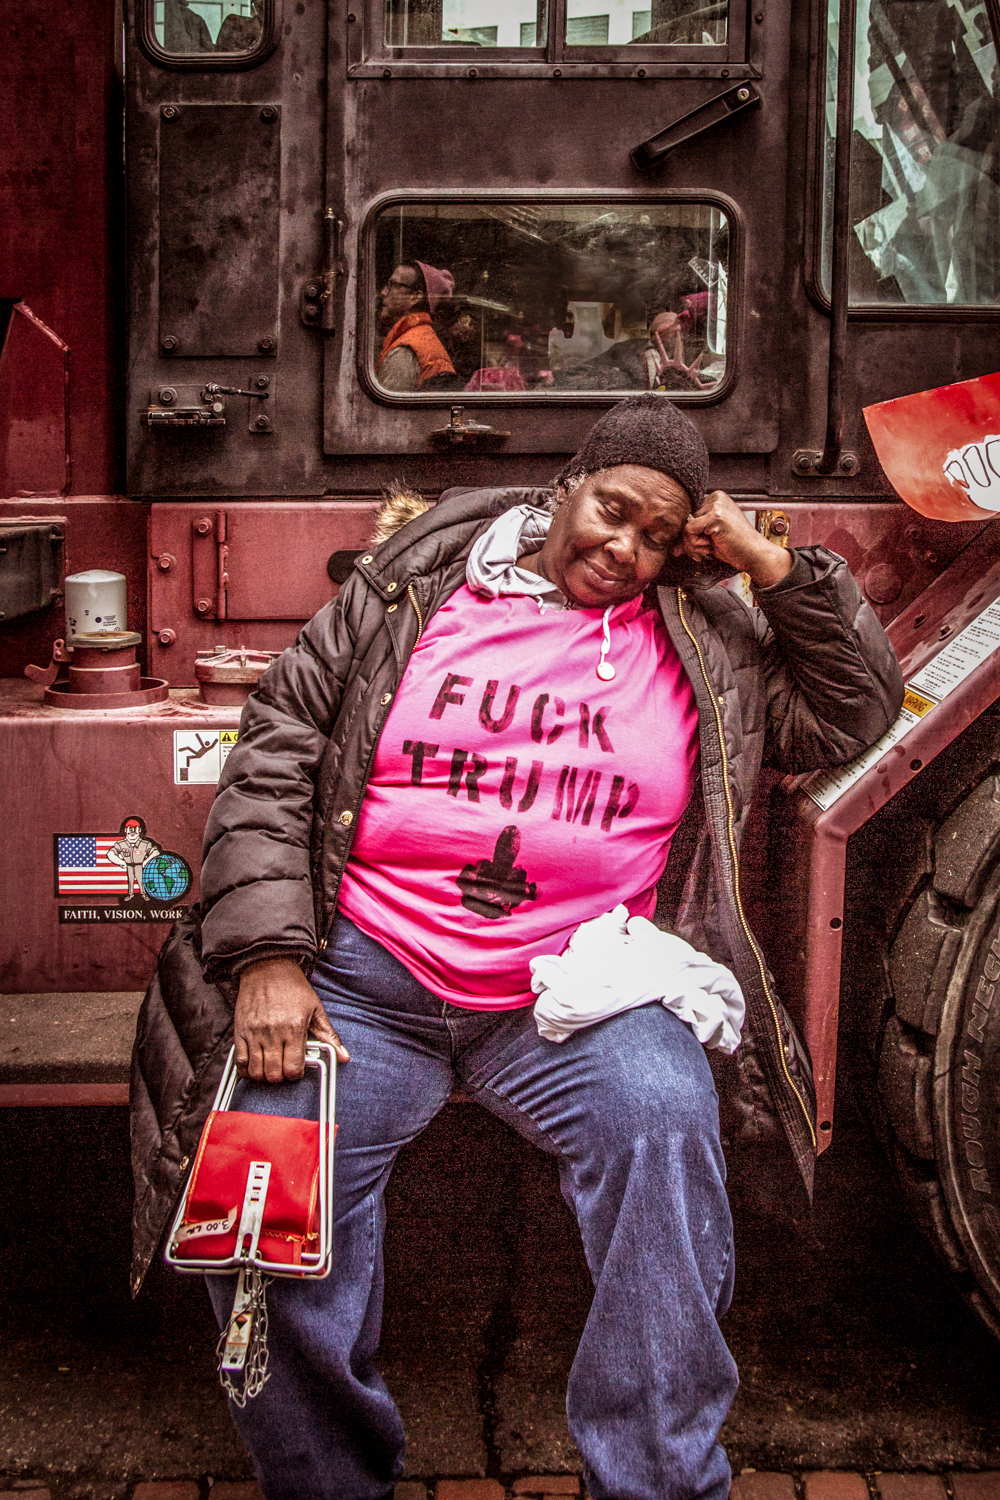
pixel 916 765
pixel 262 424
pixel 743 95
pixel 640 72
pixel 262 382
pixel 557 72
pixel 265 345
pixel 166 637
pixel 473 72
pixel 169 112
pixel 203 526
pixel 268 112
pixel 168 344
pixel 759 17
pixel 203 606
pixel 351 17
pixel 386 72
pixel 166 561
pixel 724 73
pixel 167 395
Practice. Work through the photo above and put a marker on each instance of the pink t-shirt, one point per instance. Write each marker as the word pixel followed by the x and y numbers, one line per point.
pixel 515 795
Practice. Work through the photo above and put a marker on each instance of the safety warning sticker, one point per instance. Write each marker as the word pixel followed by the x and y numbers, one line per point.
pixel 200 754
pixel 929 687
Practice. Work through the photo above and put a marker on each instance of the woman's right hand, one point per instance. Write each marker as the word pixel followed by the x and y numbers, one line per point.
pixel 276 1011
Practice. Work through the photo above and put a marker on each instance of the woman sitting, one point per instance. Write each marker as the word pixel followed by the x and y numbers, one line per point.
pixel 516 716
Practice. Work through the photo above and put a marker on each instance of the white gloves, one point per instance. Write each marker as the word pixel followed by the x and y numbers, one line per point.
pixel 616 963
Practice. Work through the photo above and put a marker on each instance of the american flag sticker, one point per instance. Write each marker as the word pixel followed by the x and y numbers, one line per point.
pixel 83 867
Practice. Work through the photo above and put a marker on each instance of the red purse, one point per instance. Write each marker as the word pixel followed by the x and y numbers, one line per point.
pixel 230 1141
pixel 259 1201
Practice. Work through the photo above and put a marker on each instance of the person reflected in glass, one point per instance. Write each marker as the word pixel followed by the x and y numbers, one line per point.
pixel 653 358
pixel 240 33
pixel 669 371
pixel 412 356
pixel 184 30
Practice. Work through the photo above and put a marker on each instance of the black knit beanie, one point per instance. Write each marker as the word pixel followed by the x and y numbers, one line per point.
pixel 646 430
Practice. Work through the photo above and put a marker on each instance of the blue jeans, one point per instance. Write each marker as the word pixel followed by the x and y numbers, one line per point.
pixel 629 1111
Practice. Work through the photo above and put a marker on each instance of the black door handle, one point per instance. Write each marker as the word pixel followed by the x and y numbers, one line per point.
pixel 717 111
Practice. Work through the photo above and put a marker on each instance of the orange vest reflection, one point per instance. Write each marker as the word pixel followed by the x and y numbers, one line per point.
pixel 414 332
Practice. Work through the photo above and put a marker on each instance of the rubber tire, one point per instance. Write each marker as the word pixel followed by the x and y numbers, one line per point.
pixel 939 1060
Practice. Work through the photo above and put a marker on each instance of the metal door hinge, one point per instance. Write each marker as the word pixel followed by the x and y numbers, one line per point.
pixel 317 305
pixel 806 462
pixel 209 566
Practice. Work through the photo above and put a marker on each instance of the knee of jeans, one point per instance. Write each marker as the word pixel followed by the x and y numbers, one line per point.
pixel 663 1088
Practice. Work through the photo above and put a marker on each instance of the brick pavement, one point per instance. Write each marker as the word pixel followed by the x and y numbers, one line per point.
pixel 750 1484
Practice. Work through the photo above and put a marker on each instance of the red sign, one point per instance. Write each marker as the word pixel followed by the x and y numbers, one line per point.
pixel 941 448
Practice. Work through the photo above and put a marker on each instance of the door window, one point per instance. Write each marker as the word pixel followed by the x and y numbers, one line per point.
pixel 208 34
pixel 541 299
pixel 536 39
pixel 925 170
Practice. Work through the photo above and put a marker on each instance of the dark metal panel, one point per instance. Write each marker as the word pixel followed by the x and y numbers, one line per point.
pixel 30 568
pixel 219 194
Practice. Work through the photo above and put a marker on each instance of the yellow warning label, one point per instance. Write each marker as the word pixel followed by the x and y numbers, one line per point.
pixel 916 703
pixel 229 736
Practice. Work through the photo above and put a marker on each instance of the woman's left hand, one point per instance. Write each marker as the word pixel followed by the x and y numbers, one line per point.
pixel 721 530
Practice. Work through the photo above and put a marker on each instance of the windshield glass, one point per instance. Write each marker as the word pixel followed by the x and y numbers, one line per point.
pixel 925 202
pixel 524 23
pixel 537 297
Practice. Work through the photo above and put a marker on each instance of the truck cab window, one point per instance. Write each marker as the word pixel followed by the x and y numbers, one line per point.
pixel 925 173
pixel 524 23
pixel 215 27
pixel 466 23
pixel 549 298
pixel 665 23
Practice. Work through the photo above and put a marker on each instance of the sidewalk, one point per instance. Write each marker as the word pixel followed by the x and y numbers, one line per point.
pixel 751 1484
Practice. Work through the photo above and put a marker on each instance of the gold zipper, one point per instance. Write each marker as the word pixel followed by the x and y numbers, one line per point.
pixel 736 868
pixel 411 594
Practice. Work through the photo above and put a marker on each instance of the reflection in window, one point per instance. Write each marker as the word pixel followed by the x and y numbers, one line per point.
pixel 543 298
pixel 466 23
pixel 619 23
pixel 183 26
pixel 925 174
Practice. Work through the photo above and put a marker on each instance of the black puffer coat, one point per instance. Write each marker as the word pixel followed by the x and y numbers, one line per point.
pixel 807 680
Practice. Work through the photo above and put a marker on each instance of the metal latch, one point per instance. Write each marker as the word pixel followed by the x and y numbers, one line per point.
pixel 185 406
pixel 205 405
pixel 471 434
